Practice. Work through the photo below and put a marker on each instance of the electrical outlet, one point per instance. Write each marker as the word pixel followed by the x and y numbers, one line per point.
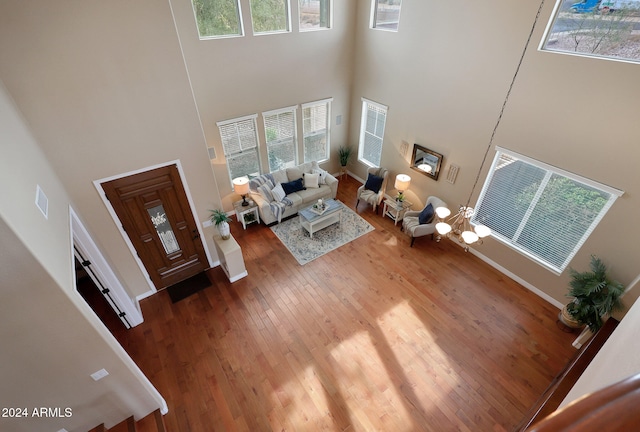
pixel 207 223
pixel 99 375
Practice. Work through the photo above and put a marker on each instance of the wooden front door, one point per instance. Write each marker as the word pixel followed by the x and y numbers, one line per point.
pixel 154 211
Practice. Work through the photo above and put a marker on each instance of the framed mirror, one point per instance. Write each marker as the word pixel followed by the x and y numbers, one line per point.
pixel 426 161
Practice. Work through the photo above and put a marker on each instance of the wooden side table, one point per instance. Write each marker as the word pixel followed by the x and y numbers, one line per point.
pixel 246 214
pixel 395 210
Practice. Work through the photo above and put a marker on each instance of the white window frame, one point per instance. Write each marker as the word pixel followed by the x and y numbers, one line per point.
pixel 597 15
pixel 549 171
pixel 364 133
pixel 374 24
pixel 287 27
pixel 280 141
pixel 329 18
pixel 248 149
pixel 224 36
pixel 315 132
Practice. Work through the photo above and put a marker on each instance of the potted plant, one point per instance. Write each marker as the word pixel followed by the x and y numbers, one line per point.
pixel 594 295
pixel 221 221
pixel 344 153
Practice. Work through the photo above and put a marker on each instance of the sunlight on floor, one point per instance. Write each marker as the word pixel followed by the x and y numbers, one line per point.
pixel 372 378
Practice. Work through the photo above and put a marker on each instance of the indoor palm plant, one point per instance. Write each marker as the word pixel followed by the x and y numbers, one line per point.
pixel 344 153
pixel 594 295
pixel 221 221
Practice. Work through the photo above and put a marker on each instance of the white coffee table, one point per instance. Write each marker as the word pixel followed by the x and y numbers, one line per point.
pixel 313 222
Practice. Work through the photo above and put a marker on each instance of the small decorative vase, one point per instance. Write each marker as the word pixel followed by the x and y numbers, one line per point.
pixel 224 230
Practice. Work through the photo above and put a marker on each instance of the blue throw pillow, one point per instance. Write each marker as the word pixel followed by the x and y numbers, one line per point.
pixel 293 186
pixel 426 215
pixel 374 183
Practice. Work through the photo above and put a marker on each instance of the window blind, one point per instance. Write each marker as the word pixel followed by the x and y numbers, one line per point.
pixel 541 211
pixel 280 133
pixel 240 146
pixel 315 130
pixel 374 117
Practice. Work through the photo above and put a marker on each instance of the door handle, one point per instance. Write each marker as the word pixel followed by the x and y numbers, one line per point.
pixel 196 234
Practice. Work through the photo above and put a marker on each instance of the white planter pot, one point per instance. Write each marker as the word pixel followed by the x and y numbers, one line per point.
pixel 224 230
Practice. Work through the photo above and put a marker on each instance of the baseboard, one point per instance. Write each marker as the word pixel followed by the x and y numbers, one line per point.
pixel 516 278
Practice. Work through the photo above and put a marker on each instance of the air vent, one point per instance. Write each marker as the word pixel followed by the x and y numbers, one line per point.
pixel 42 202
pixel 212 153
pixel 452 173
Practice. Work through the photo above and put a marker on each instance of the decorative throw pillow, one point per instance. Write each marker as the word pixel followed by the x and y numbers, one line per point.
pixel 426 215
pixel 311 180
pixel 294 173
pixel 265 191
pixel 322 175
pixel 280 176
pixel 293 186
pixel 374 183
pixel 278 192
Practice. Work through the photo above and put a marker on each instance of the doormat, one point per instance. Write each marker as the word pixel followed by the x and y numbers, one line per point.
pixel 306 249
pixel 184 289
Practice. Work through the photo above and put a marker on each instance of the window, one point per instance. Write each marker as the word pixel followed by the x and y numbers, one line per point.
pixel 240 145
pixel 539 210
pixel 314 14
pixel 280 133
pixel 595 28
pixel 270 16
pixel 374 117
pixel 385 14
pixel 218 18
pixel 315 130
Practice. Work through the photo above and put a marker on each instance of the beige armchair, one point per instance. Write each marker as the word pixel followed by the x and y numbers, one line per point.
pixel 372 197
pixel 412 226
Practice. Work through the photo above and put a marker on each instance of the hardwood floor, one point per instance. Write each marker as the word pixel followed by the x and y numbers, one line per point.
pixel 372 336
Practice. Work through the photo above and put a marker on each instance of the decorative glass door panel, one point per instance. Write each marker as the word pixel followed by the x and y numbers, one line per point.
pixel 163 228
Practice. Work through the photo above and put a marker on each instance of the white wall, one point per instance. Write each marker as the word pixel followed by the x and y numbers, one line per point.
pixel 51 339
pixel 235 77
pixel 619 358
pixel 444 76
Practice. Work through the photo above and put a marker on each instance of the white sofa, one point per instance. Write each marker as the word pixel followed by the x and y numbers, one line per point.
pixel 300 199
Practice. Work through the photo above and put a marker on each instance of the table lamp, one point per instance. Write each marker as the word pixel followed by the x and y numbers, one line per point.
pixel 241 187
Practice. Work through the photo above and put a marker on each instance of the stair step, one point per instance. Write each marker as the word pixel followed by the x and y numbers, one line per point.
pixel 128 425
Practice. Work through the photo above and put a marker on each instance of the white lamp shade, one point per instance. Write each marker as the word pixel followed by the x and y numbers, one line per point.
pixel 482 231
pixel 469 237
pixel 443 228
pixel 241 185
pixel 402 182
pixel 443 212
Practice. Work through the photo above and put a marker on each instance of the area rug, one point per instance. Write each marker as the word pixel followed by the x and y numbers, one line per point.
pixel 184 289
pixel 305 249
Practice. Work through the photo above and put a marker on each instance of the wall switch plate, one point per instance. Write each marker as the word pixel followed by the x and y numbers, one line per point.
pixel 207 223
pixel 99 375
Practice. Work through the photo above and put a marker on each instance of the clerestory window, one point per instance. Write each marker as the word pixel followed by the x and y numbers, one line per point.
pixel 270 16
pixel 595 28
pixel 385 14
pixel 218 18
